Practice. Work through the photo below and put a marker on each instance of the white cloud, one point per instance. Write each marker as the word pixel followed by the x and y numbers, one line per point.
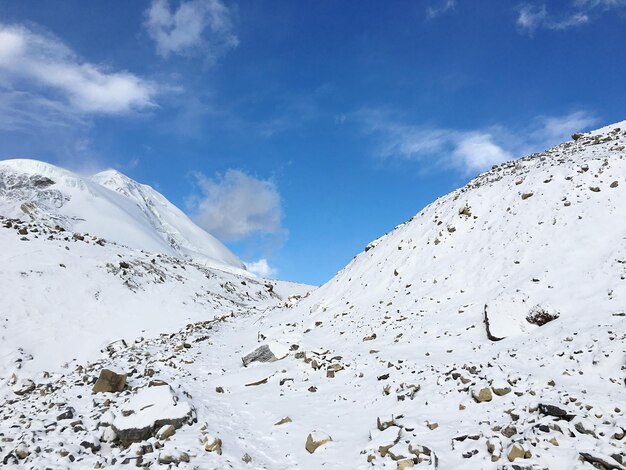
pixel 477 151
pixel 196 27
pixel 40 68
pixel 470 151
pixel 443 7
pixel 235 206
pixel 261 268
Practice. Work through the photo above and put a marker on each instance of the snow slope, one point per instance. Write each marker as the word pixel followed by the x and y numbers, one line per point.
pixel 108 204
pixel 488 332
pixel 66 296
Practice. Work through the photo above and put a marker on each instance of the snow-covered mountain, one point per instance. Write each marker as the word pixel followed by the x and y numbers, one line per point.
pixel 487 332
pixel 86 261
pixel 108 204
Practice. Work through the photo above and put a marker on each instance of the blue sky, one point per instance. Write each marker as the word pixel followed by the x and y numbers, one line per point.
pixel 297 132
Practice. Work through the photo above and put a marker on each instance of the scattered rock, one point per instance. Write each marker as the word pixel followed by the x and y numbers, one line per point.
pixel 482 395
pixel 405 463
pixel 555 411
pixel 22 451
pixel 266 353
pixel 494 447
pixel 516 451
pixel 384 423
pixel 382 441
pixel 92 443
pixel 67 414
pixel 606 462
pixel 465 210
pixel 23 386
pixel 212 444
pixel 501 391
pixel 315 440
pixel 167 430
pixel 284 420
pixel 509 431
pixel 173 457
pixel 258 382
pixel 109 382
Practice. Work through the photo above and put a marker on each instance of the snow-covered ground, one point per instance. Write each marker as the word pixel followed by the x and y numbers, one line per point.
pixel 65 296
pixel 489 331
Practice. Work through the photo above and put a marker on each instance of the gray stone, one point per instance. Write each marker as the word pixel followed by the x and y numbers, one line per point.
pixel 260 354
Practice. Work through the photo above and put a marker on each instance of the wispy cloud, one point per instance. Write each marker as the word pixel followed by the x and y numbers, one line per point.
pixel 549 130
pixel 606 4
pixel 235 205
pixel 534 16
pixel 22 110
pixel 441 7
pixel 468 151
pixel 41 70
pixel 195 28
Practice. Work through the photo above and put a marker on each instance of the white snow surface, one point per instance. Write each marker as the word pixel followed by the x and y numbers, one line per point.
pixel 397 340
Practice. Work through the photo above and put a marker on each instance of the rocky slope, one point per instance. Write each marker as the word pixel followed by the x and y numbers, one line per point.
pixel 489 331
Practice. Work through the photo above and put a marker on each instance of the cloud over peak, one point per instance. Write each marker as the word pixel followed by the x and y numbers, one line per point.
pixel 261 268
pixel 235 205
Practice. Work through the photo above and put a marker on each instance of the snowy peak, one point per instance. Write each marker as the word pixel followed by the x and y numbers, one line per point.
pixel 167 219
pixel 109 205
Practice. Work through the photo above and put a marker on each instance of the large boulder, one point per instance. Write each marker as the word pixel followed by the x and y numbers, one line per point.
pixel 148 411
